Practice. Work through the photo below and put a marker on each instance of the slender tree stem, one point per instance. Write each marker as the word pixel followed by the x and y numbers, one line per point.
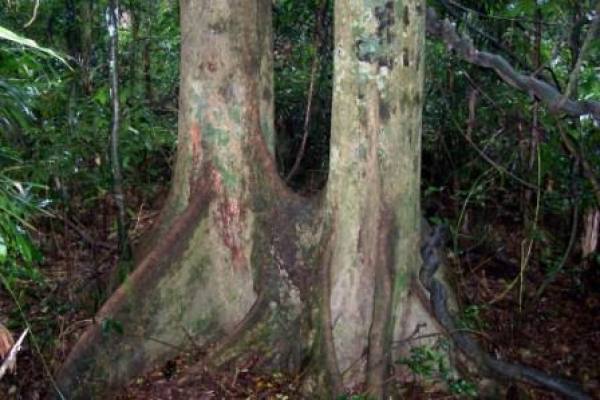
pixel 112 20
pixel 311 90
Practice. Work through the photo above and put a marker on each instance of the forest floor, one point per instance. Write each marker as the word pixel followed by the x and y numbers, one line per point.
pixel 558 332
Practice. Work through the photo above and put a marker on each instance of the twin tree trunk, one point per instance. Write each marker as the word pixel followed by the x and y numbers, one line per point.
pixel 245 267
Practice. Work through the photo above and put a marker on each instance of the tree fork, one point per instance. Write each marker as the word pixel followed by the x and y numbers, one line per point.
pixel 242 256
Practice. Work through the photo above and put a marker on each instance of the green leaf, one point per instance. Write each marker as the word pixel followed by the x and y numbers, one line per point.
pixel 110 325
pixel 7 34
pixel 3 249
pixel 24 247
pixel 101 96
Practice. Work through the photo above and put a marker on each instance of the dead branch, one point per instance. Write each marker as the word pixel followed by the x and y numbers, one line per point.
pixel 543 91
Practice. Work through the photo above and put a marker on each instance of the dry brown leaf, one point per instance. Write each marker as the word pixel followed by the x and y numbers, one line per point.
pixel 6 341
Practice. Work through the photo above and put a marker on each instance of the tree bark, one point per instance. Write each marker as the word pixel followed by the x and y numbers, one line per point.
pixel 373 189
pixel 321 286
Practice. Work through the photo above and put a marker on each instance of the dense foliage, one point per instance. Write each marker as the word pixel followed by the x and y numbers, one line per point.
pixel 491 155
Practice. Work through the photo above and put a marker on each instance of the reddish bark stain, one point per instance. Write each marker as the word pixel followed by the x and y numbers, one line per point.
pixel 195 137
pixel 230 220
pixel 208 66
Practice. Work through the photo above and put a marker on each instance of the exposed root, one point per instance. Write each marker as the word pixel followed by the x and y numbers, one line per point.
pixel 467 343
pixel 327 329
pixel 225 351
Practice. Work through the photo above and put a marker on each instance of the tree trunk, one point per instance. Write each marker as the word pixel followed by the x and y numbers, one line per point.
pixel 242 264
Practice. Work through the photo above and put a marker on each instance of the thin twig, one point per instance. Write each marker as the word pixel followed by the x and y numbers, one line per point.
pixel 34 16
pixel 497 166
pixel 574 77
pixel 311 87
pixel 588 170
pixel 547 93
